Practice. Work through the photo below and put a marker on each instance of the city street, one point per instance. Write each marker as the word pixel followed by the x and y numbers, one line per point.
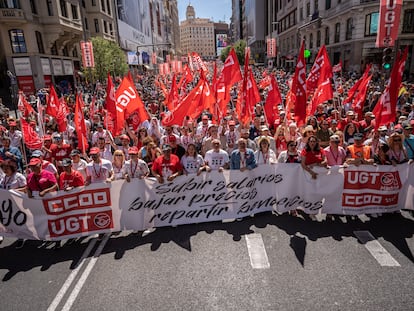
pixel 265 262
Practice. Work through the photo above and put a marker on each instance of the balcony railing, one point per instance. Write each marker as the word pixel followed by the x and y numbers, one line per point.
pixel 11 15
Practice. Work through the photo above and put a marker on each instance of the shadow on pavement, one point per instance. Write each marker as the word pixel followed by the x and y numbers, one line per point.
pixel 394 228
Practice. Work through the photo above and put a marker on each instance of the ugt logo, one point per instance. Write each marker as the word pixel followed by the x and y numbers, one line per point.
pixel 125 98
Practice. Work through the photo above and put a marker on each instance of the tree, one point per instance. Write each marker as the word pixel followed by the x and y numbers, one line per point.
pixel 108 58
pixel 239 47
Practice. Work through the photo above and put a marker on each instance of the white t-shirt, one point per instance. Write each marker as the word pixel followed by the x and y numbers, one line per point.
pixel 14 181
pixel 191 165
pixel 99 172
pixel 135 169
pixel 215 160
pixel 267 158
pixel 80 167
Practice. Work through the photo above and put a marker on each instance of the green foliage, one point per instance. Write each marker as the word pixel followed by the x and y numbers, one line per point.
pixel 239 47
pixel 108 58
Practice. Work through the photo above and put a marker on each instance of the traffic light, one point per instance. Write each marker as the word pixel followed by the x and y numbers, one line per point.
pixel 386 58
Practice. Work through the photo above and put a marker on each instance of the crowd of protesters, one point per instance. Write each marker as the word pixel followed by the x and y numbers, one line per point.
pixel 334 135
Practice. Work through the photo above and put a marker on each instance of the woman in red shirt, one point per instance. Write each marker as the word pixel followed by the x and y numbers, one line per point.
pixel 312 155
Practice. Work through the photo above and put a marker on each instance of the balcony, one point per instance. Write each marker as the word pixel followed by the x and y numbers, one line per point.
pixel 12 16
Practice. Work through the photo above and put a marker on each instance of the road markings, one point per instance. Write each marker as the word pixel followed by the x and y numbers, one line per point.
pixel 72 276
pixel 376 249
pixel 257 251
pixel 85 274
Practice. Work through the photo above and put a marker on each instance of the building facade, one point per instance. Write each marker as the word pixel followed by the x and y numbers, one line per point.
pixel 348 29
pixel 197 35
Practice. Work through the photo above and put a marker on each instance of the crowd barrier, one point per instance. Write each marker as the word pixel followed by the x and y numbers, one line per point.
pixel 214 196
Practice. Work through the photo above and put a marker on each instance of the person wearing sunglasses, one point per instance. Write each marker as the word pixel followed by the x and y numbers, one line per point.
pixel 291 155
pixel 335 154
pixel 397 153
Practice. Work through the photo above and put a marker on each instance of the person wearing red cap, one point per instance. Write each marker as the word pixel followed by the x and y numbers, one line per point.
pixel 47 148
pixel 60 152
pixel 15 135
pixel 134 167
pixel 40 181
pixel 99 170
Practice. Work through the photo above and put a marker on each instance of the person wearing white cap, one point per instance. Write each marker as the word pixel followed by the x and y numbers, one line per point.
pixel 335 154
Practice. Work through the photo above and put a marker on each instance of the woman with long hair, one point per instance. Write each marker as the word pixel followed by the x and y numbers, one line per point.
pixel 397 152
pixel 117 164
pixel 291 155
pixel 152 152
pixel 192 162
pixel 349 132
pixel 312 155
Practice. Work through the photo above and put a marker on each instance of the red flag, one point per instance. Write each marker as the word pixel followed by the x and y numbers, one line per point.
pixel 337 67
pixel 172 99
pixel 385 109
pixel 186 78
pixel 266 81
pixel 52 103
pixel 24 106
pixel 354 89
pixel 128 101
pixel 249 95
pixel 273 100
pixel 62 112
pixel 80 124
pixel 31 138
pixel 324 89
pixel 360 97
pixel 299 87
pixel 231 69
pixel 321 63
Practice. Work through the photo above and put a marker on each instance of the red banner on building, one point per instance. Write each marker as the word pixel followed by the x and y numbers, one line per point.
pixel 389 20
pixel 87 54
pixel 271 47
pixel 26 84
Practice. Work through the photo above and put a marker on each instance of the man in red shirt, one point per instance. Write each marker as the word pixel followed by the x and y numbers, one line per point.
pixel 166 166
pixel 70 178
pixel 61 151
pixel 40 181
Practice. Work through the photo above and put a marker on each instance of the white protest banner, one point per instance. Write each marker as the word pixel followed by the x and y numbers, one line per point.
pixel 144 203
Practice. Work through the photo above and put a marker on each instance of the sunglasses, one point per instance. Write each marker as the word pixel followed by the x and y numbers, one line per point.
pixel 293 145
pixel 397 140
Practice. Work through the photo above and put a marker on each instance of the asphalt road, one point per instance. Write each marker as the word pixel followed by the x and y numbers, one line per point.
pixel 263 263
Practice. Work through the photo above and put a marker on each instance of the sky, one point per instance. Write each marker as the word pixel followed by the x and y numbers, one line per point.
pixel 213 9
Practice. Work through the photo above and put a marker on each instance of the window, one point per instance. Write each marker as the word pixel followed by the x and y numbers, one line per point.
pixel 337 32
pixel 63 10
pixel 105 27
pixel 33 6
pixel 93 2
pixel 74 53
pixel 108 7
pixel 74 11
pixel 408 23
pixel 17 41
pixel 327 39
pixel 327 4
pixel 308 9
pixel 49 7
pixel 103 5
pixel 349 27
pixel 311 41
pixel 86 23
pixel 96 22
pixel 10 4
pixel 371 24
pixel 39 41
